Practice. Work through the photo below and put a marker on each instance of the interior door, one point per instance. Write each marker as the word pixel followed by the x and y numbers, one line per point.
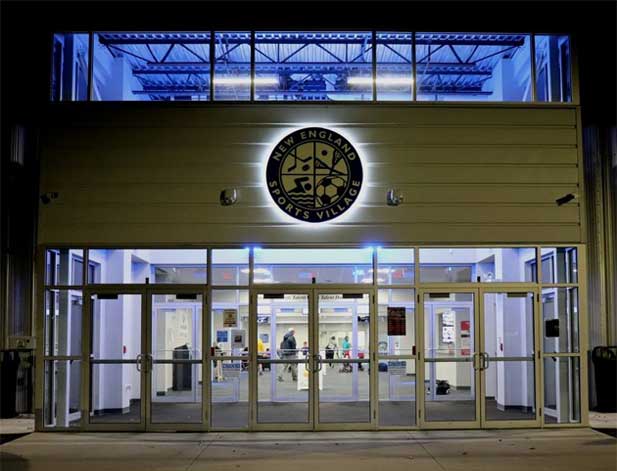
pixel 174 359
pixel 115 364
pixel 449 367
pixel 508 358
pixel 284 360
pixel 342 373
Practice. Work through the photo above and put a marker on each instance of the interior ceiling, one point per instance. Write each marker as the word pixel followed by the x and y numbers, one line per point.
pixel 175 64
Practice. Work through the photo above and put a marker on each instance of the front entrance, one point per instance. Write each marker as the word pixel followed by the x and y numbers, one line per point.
pixel 310 358
pixel 316 373
pixel 479 358
pixel 148 377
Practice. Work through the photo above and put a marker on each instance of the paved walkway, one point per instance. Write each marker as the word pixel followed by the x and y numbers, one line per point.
pixel 528 450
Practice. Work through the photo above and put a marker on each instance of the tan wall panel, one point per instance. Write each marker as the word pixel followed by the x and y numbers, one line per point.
pixel 468 174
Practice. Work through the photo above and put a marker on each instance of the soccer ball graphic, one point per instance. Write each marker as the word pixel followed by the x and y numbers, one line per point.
pixel 329 190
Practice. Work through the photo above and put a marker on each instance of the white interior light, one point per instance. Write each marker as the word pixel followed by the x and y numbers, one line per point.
pixel 386 81
pixel 245 81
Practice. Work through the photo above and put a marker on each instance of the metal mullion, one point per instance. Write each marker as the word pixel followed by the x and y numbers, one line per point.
pixel 559 285
pixel 396 357
pixel 229 287
pixel 64 287
pixel 534 98
pixel 561 354
pixel 105 361
pixel 212 65
pixel 252 81
pixel 206 317
pixel 414 94
pixel 90 66
pixel 62 358
pixel 374 65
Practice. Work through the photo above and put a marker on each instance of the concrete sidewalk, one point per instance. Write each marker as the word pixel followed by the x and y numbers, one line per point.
pixel 528 450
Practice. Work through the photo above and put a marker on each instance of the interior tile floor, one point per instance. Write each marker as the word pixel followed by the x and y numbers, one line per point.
pixel 505 450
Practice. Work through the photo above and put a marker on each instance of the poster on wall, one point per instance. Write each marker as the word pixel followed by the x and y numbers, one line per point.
pixel 396 321
pixel 222 336
pixel 237 339
pixel 230 318
pixel 465 338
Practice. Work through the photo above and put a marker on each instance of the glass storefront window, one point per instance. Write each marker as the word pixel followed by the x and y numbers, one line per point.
pixel 159 266
pixel 562 393
pixel 157 66
pixel 553 69
pixel 62 394
pixel 338 266
pixel 63 321
pixel 69 68
pixel 560 320
pixel 313 66
pixel 394 67
pixel 230 267
pixel 396 322
pixel 559 265
pixel 64 267
pixel 395 266
pixel 473 67
pixel 454 265
pixel 230 323
pixel 232 66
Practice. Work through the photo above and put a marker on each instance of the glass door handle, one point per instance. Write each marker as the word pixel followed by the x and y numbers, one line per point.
pixel 486 361
pixel 476 356
pixel 149 363
pixel 319 362
pixel 138 360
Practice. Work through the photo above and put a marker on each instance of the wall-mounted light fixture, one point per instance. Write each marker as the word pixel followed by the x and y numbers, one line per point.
pixel 394 197
pixel 229 196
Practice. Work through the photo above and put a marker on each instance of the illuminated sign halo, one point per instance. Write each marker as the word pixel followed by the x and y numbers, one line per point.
pixel 314 174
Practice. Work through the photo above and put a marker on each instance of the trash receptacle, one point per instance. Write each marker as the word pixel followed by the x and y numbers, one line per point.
pixel 9 365
pixel 182 374
pixel 605 371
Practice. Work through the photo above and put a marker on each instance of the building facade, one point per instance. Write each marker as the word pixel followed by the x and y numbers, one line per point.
pixel 311 230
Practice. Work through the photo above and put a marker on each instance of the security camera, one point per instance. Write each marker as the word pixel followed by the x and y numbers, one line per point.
pixel 566 199
pixel 47 197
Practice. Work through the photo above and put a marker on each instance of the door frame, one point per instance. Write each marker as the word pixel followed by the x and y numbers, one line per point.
pixel 144 359
pixel 481 420
pixel 421 372
pixel 372 364
pixel 312 292
pixel 254 425
pixel 538 398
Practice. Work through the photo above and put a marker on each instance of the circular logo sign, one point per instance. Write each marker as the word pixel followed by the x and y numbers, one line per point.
pixel 314 174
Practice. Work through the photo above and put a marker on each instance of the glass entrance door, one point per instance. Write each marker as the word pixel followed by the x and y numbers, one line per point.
pixel 479 358
pixel 115 366
pixel 284 360
pixel 174 360
pixel 508 359
pixel 450 376
pixel 342 373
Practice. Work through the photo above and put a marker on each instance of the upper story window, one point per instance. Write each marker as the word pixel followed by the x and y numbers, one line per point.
pixel 311 66
pixel 69 67
pixel 473 67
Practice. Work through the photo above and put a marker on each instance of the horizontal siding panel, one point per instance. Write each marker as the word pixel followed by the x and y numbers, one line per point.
pixel 354 114
pixel 255 196
pixel 146 138
pixel 241 174
pixel 164 214
pixel 185 234
pixel 153 176
pixel 256 154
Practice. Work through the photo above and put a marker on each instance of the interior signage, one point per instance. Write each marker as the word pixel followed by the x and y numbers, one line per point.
pixel 314 174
